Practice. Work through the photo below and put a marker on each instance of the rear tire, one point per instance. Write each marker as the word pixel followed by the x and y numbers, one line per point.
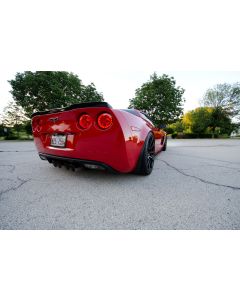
pixel 146 159
pixel 165 145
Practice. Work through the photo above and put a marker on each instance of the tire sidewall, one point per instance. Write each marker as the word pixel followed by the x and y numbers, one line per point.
pixel 143 159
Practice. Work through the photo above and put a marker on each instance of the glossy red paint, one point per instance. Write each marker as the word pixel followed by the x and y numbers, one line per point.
pixel 117 146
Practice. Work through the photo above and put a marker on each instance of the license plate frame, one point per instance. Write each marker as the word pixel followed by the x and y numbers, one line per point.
pixel 58 140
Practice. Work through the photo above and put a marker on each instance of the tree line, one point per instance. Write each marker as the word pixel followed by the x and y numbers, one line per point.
pixel 219 114
pixel 159 97
pixel 39 91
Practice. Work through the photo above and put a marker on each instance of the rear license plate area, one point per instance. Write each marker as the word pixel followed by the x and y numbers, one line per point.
pixel 58 140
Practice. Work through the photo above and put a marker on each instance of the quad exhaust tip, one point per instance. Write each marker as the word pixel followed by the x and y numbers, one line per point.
pixel 93 167
pixel 73 167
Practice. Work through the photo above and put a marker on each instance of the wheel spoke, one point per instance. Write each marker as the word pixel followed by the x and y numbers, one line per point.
pixel 150 162
pixel 151 146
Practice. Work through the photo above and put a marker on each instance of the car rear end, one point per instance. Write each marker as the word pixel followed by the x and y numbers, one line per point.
pixel 83 134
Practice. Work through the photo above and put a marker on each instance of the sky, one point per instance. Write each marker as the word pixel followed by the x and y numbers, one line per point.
pixel 119 44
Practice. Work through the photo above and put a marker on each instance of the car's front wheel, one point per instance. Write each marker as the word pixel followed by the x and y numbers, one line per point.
pixel 146 159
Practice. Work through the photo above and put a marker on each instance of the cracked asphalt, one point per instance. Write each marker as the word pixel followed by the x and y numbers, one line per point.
pixel 195 184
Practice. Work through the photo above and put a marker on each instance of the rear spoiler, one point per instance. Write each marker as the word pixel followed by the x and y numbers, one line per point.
pixel 74 106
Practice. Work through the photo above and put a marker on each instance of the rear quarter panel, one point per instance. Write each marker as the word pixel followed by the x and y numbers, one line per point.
pixel 135 131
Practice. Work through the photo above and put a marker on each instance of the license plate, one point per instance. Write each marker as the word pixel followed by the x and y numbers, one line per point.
pixel 58 140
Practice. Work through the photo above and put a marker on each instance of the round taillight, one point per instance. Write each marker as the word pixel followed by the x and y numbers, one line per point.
pixel 104 121
pixel 85 121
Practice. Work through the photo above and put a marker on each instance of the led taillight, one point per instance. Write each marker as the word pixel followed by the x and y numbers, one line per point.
pixel 85 121
pixel 104 121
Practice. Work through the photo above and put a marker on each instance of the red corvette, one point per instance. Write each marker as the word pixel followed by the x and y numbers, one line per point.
pixel 94 135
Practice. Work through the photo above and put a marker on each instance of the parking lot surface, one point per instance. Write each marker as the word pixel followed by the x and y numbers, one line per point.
pixel 195 184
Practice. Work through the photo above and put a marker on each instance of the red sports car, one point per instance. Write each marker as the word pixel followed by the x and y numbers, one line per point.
pixel 96 136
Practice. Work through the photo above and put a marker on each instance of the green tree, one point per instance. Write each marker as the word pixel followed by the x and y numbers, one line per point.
pixel 13 116
pixel 208 120
pixel 28 127
pixel 197 120
pixel 2 133
pixel 236 128
pixel 220 119
pixel 43 90
pixel 225 96
pixel 160 99
pixel 177 126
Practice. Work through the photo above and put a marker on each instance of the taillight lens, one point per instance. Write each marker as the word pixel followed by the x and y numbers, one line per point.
pixel 85 121
pixel 104 121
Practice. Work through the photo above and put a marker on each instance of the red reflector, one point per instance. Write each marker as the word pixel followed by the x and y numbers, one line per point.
pixel 104 121
pixel 85 121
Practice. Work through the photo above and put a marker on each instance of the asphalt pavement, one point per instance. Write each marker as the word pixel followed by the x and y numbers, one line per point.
pixel 195 184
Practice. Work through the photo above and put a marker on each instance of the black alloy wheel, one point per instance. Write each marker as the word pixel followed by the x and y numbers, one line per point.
pixel 146 159
pixel 150 153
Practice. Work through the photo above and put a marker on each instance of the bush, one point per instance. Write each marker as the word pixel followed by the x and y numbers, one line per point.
pixel 190 136
pixel 169 130
pixel 11 137
pixel 207 135
pixel 224 136
pixel 181 135
pixel 28 127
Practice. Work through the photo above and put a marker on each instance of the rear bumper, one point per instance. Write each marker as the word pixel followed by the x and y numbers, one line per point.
pixel 75 161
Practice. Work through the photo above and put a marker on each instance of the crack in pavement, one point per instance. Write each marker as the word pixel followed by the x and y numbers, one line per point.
pixel 198 178
pixel 22 182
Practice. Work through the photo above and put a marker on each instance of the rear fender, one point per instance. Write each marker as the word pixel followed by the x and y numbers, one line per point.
pixel 135 132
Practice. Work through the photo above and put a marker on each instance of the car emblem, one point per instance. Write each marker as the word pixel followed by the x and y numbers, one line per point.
pixel 53 119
